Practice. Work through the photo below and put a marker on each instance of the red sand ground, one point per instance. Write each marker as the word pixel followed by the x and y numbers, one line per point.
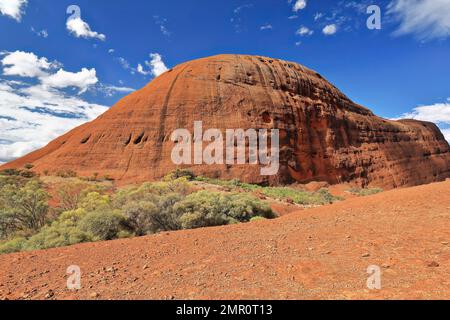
pixel 320 253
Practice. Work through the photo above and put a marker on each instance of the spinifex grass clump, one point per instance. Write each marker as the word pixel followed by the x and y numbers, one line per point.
pixel 363 192
pixel 295 195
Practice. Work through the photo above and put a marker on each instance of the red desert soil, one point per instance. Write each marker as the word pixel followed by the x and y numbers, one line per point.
pixel 320 253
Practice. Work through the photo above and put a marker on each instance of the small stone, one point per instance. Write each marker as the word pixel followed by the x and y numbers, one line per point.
pixel 433 264
pixel 366 255
pixel 386 266
pixel 444 243
pixel 94 295
pixel 145 267
pixel 50 294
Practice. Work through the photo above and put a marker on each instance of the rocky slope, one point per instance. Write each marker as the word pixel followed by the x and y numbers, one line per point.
pixel 322 253
pixel 324 135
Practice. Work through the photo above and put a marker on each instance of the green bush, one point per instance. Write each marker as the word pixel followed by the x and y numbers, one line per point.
pixel 12 246
pixel 363 192
pixel 70 193
pixel 94 201
pixel 320 197
pixel 23 208
pixel 56 235
pixel 103 225
pixel 204 209
pixel 180 173
pixel 139 216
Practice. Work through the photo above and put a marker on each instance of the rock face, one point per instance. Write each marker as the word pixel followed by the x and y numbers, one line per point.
pixel 324 136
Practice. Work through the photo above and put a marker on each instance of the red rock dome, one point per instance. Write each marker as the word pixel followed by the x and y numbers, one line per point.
pixel 323 135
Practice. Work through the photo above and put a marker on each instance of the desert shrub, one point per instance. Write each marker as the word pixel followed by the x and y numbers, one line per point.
pixel 231 184
pixel 139 216
pixel 155 214
pixel 204 209
pixel 321 197
pixel 12 246
pixel 66 174
pixel 363 192
pixel 24 208
pixel 148 191
pixel 71 193
pixel 8 224
pixel 56 235
pixel 180 173
pixel 28 166
pixel 11 172
pixel 94 201
pixel 103 225
pixel 17 181
pixel 28 174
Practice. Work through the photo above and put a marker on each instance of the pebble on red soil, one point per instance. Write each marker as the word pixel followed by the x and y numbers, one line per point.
pixel 433 264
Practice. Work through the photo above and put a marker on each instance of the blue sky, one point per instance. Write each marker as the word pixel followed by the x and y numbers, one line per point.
pixel 57 73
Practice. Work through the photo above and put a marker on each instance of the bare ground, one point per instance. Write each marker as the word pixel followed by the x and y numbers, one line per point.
pixel 321 253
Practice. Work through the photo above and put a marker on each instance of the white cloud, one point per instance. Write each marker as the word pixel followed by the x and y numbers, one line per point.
pixel 446 133
pixel 304 31
pixel 36 109
pixel 63 79
pixel 81 29
pixel 438 113
pixel 25 64
pixel 329 30
pixel 299 5
pixel 140 69
pixel 28 65
pixel 156 64
pixel 12 8
pixel 266 27
pixel 33 115
pixel 111 51
pixel 426 19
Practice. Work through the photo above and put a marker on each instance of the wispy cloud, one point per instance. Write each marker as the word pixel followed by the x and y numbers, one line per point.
pixel 425 19
pixel 40 33
pixel 267 26
pixel 304 31
pixel 237 19
pixel 162 23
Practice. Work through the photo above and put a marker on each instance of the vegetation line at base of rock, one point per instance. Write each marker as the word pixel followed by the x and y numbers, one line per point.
pixel 47 212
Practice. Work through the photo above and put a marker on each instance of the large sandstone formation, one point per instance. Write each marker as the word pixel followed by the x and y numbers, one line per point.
pixel 324 135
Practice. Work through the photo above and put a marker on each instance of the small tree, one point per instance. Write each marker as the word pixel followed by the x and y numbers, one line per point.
pixel 26 207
